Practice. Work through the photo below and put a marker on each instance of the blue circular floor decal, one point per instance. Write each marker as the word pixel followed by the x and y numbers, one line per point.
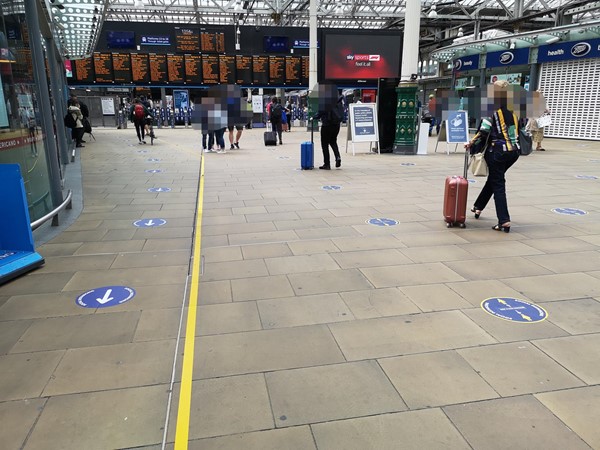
pixel 154 171
pixel 586 177
pixel 331 188
pixel 153 160
pixel 149 223
pixel 283 157
pixel 472 181
pixel 408 164
pixel 382 222
pixel 514 310
pixel 570 211
pixel 106 296
pixel 159 189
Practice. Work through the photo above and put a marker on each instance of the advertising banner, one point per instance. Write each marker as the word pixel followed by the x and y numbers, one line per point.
pixel 466 63
pixel 589 48
pixel 519 56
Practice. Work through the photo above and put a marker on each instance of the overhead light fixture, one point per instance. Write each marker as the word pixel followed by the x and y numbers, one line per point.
pixel 138 3
pixel 460 32
pixel 512 45
pixel 432 14
pixel 553 40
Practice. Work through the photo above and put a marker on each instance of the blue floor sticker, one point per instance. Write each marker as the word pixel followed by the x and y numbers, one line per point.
pixel 331 188
pixel 570 211
pixel 159 189
pixel 382 222
pixel 586 177
pixel 149 223
pixel 153 160
pixel 514 310
pixel 154 171
pixel 408 164
pixel 106 296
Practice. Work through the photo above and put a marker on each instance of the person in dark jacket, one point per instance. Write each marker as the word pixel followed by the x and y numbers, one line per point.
pixel 77 131
pixel 331 114
pixel 276 118
pixel 138 114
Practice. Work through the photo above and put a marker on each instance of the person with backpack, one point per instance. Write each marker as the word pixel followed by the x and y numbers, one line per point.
pixel 276 118
pixel 74 121
pixel 137 114
pixel 331 114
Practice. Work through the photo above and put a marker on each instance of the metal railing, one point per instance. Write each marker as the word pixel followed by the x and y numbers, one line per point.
pixel 66 204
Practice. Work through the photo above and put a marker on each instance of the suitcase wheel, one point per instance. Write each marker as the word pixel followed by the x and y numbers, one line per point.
pixel 463 225
pixel 448 225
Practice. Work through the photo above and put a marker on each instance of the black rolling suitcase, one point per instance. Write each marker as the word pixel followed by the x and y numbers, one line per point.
pixel 270 138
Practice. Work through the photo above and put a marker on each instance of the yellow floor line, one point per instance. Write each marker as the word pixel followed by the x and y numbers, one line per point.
pixel 185 393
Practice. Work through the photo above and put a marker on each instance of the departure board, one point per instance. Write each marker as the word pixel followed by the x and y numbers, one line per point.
pixel 212 42
pixel 260 70
pixel 158 68
pixel 193 69
pixel 305 67
pixel 140 69
pixel 84 71
pixel 277 70
pixel 175 68
pixel 293 70
pixel 187 40
pixel 210 69
pixel 227 69
pixel 243 70
pixel 103 67
pixel 121 67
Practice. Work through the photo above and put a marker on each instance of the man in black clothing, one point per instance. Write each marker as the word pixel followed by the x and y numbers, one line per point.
pixel 331 113
pixel 276 116
pixel 137 114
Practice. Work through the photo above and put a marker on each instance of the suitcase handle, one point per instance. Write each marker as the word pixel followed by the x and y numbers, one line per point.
pixel 466 163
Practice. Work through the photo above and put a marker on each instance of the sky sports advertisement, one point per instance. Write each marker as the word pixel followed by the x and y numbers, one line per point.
pixel 362 57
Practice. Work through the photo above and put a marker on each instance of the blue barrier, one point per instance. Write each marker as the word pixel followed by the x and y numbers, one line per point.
pixel 17 252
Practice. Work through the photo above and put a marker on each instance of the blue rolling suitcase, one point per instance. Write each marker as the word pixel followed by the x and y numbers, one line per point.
pixel 307 153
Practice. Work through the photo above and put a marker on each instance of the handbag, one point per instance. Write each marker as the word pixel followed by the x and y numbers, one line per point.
pixel 544 120
pixel 525 142
pixel 477 164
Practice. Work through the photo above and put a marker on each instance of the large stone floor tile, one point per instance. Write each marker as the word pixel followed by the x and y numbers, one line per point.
pixel 164 232
pixel 556 287
pixel 88 330
pixel 518 368
pixel 327 233
pixel 236 228
pixel 436 379
pixel 560 245
pixel 261 288
pixel 300 264
pixel 431 239
pixel 411 274
pixel 36 283
pixel 164 245
pixel 128 277
pixel 99 420
pixel 94 248
pixel 48 250
pixel 379 303
pixel 331 281
pixel 509 331
pixel 118 235
pixel 293 438
pixel 518 423
pixel 476 292
pixel 579 409
pixel 11 332
pixel 569 262
pixel 25 375
pixel 222 254
pixel 434 297
pixel 304 310
pixel 79 236
pixel 496 268
pixel 263 351
pixel 340 391
pixel 575 316
pixel 263 251
pixel 440 253
pixel 76 263
pixel 113 367
pixel 234 270
pixel 158 325
pixel 214 292
pixel 500 249
pixel 393 336
pixel 367 243
pixel 227 318
pixel 416 430
pixel 370 258
pixel 151 259
pixel 262 238
pixel 579 354
pixel 305 247
pixel 17 418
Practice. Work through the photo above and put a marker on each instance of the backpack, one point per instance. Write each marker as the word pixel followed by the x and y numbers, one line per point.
pixel 70 121
pixel 138 112
pixel 336 115
pixel 276 113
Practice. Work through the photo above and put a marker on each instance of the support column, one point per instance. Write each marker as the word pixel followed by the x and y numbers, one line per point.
pixel 534 77
pixel 58 95
pixel 405 142
pixel 313 86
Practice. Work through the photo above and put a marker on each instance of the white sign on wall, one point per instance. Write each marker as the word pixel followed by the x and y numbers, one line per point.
pixel 108 106
pixel 257 104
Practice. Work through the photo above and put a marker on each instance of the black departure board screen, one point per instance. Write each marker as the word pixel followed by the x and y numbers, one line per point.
pixel 260 70
pixel 103 67
pixel 276 69
pixel 187 40
pixel 210 69
pixel 193 69
pixel 140 69
pixel 212 42
pixel 243 70
pixel 293 70
pixel 305 67
pixel 227 69
pixel 84 70
pixel 175 68
pixel 121 67
pixel 158 68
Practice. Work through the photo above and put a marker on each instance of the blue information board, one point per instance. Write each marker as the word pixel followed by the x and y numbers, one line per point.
pixel 106 296
pixel 457 127
pixel 514 310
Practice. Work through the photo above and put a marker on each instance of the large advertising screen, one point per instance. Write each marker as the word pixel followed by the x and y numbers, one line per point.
pixel 362 57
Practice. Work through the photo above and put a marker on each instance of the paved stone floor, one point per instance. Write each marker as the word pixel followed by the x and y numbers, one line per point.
pixel 315 330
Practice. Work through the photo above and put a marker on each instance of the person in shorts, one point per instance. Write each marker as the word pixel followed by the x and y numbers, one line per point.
pixel 235 143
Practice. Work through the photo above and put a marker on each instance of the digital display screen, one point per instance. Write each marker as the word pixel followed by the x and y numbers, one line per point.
pixel 260 70
pixel 243 70
pixel 227 69
pixel 305 69
pixel 277 69
pixel 175 68
pixel 140 69
pixel 275 44
pixel 187 40
pixel 120 39
pixel 121 67
pixel 293 70
pixel 84 70
pixel 103 67
pixel 212 42
pixel 354 57
pixel 210 69
pixel 193 69
pixel 158 68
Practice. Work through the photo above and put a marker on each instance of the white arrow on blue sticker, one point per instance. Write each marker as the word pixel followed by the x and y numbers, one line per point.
pixel 331 188
pixel 382 222
pixel 103 297
pixel 159 189
pixel 142 151
pixel 153 171
pixel 570 211
pixel 153 160
pixel 149 223
pixel 408 164
pixel 587 177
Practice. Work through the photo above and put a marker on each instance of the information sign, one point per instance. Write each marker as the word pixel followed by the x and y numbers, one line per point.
pixel 212 42
pixel 84 70
pixel 210 69
pixel 103 67
pixel 457 126
pixel 293 70
pixel 140 68
pixel 187 40
pixel 243 69
pixel 175 68
pixel 121 67
pixel 158 68
pixel 277 70
pixel 260 72
pixel 227 69
pixel 193 69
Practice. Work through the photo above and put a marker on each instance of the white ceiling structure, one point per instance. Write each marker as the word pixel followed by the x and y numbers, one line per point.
pixel 77 23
